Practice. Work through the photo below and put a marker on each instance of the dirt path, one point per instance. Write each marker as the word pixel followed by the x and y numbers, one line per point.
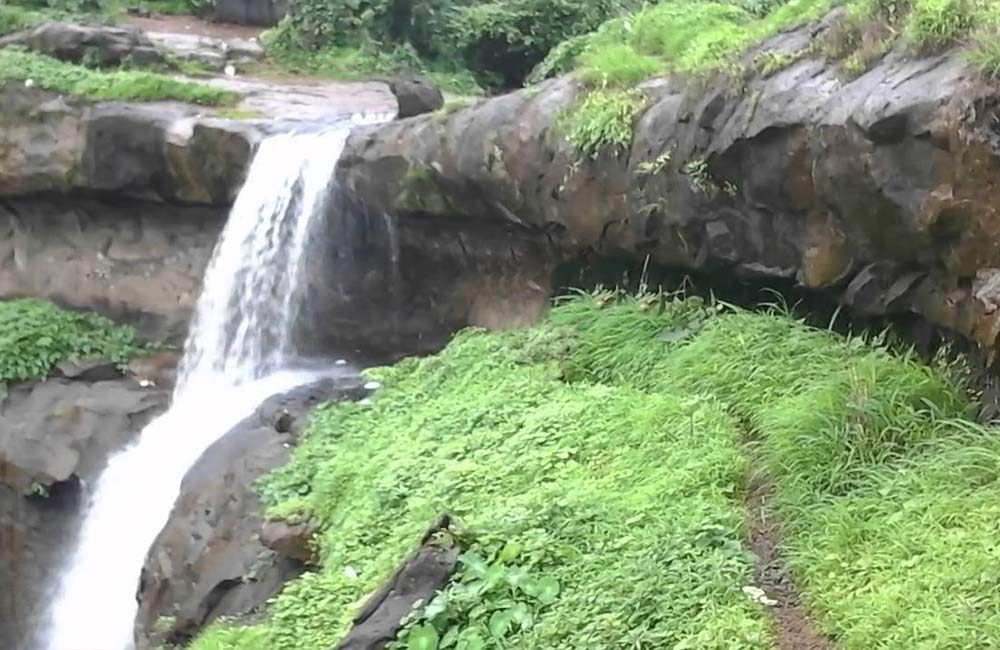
pixel 794 628
pixel 193 26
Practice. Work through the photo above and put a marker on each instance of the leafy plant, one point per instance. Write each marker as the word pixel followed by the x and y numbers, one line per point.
pixel 35 335
pixel 603 121
pixel 490 602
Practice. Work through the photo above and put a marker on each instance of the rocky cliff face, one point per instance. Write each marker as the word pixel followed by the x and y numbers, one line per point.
pixel 880 191
pixel 54 436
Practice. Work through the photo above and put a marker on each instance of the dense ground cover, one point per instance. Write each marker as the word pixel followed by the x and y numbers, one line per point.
pixel 598 466
pixel 35 335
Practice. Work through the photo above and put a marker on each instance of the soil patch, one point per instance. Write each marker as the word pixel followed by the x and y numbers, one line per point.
pixel 795 630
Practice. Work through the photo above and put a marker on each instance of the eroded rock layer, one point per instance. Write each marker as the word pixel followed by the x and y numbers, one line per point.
pixel 881 190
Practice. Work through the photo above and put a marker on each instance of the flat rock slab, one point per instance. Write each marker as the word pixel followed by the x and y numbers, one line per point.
pixel 208 50
pixel 316 101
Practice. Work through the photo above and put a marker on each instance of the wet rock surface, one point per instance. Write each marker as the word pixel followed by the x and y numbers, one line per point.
pixel 90 43
pixel 55 438
pixel 879 191
pixel 211 559
pixel 415 96
pixel 134 261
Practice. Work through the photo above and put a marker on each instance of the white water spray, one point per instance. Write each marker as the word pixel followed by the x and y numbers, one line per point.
pixel 239 352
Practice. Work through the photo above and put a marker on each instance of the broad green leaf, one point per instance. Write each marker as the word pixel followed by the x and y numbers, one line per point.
pixel 424 637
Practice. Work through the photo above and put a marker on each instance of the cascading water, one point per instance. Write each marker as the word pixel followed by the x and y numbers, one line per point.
pixel 239 352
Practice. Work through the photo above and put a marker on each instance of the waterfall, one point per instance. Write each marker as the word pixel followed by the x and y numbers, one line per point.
pixel 239 351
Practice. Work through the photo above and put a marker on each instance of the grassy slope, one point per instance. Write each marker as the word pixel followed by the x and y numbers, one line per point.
pixel 612 444
pixel 35 335
pixel 120 85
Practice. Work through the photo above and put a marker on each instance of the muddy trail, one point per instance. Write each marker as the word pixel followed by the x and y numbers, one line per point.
pixel 793 626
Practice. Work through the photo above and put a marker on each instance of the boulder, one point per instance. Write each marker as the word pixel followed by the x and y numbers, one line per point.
pixel 164 152
pixel 416 96
pixel 211 558
pixel 89 43
pixel 802 176
pixel 418 580
pixel 53 430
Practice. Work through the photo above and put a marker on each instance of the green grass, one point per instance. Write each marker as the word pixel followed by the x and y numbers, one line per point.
pixel 612 444
pixel 16 19
pixel 36 335
pixel 119 85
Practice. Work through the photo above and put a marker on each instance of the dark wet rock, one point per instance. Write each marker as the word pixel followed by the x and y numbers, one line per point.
pixel 162 152
pixel 419 579
pixel 90 43
pixel 416 96
pixel 90 369
pixel 250 12
pixel 133 261
pixel 53 430
pixel 55 438
pixel 154 370
pixel 211 559
pixel 879 190
pixel 292 540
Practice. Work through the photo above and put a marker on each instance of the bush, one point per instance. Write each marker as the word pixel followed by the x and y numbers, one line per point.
pixel 500 41
pixel 35 335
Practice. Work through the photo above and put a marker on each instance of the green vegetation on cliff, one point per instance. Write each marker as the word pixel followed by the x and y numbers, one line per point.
pixel 48 73
pixel 35 335
pixel 611 448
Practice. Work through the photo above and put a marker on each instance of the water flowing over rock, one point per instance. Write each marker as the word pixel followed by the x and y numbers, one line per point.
pixel 55 437
pixel 211 559
pixel 240 351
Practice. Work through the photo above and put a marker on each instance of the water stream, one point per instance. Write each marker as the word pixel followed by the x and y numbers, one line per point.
pixel 239 351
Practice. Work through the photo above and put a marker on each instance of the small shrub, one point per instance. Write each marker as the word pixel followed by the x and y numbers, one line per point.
pixel 35 335
pixel 603 121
